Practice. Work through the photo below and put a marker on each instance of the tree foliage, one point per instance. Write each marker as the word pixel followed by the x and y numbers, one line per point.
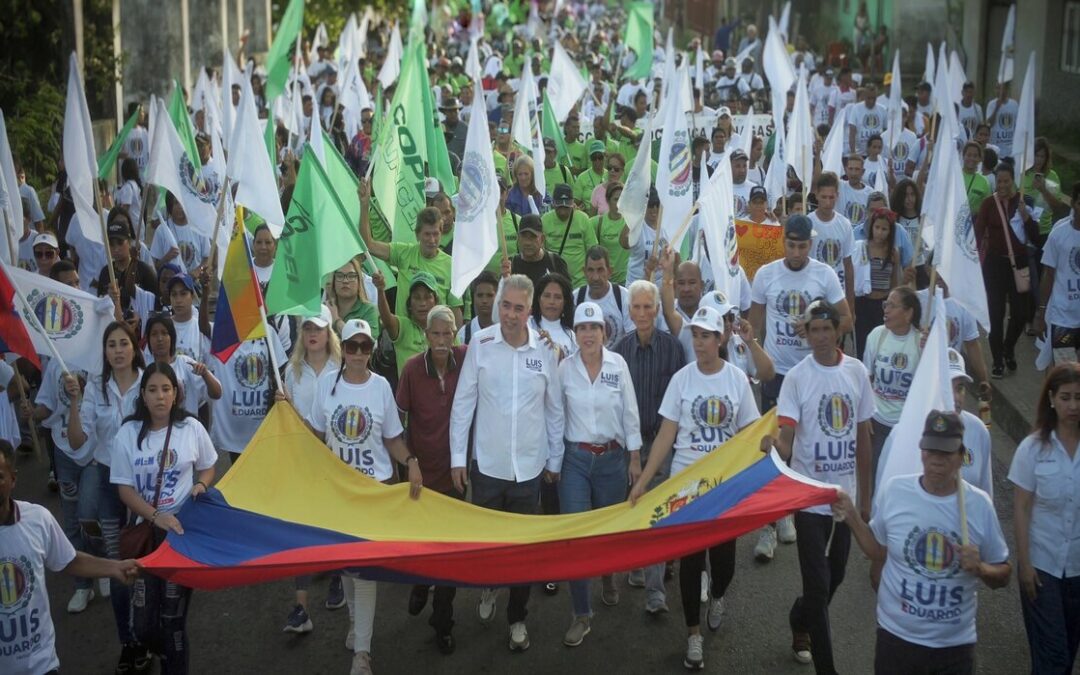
pixel 334 13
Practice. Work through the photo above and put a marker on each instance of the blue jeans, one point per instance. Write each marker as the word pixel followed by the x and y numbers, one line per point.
pixel 1053 623
pixel 590 481
pixel 112 514
pixel 79 507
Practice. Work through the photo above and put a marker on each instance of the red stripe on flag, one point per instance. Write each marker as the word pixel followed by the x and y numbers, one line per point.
pixel 12 327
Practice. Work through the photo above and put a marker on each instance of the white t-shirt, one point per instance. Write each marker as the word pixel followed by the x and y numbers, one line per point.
pixel 33 543
pixel 356 418
pixel 833 242
pixel 924 596
pixel 741 191
pixel 302 388
pixel 617 321
pixel 851 202
pixel 840 101
pixel 786 294
pixel 137 465
pixel 164 241
pixel 245 393
pixel 962 325
pixel 820 96
pixel 826 404
pixel 710 409
pixel 1062 253
pixel 137 146
pixel 53 396
pixel 906 148
pixel 1004 126
pixel 1046 470
pixel 102 413
pixel 970 117
pixel 891 360
pixel 192 385
pixel 129 196
pixel 867 122
pixel 562 336
pixel 190 341
pixel 871 169
pixel 194 247
pixel 977 468
pixel 639 253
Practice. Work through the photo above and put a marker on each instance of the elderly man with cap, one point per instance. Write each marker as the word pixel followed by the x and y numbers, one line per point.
pixel 568 232
pixel 757 209
pixel 46 252
pixel 532 259
pixel 603 442
pixel 587 180
pixel 740 186
pixel 928 576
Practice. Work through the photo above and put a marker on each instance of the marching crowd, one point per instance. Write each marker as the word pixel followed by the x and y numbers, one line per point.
pixel 587 363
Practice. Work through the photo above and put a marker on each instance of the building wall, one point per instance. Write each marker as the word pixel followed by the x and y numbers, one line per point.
pixel 1061 108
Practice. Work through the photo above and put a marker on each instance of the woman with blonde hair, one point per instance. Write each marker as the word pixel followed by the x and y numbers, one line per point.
pixel 524 197
pixel 347 297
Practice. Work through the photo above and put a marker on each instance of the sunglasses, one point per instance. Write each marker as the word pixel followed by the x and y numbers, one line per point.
pixel 352 346
pixel 615 168
pixel 45 255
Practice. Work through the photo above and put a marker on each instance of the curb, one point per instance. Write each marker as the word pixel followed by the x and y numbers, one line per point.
pixel 1007 415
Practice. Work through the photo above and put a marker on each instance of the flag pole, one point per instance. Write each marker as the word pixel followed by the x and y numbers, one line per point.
pixel 217 222
pixel 656 241
pixel 105 234
pixel 269 349
pixel 685 223
pixel 297 58
pixel 34 440
pixel 31 317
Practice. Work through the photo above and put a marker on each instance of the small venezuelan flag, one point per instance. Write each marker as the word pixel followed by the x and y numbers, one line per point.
pixel 238 316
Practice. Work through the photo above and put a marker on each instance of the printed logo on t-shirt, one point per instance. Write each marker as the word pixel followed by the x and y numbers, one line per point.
pixel 60 317
pixel 187 253
pixel 713 418
pixel 828 250
pixel 250 370
pixel 900 151
pixel 61 394
pixel 871 120
pixel 351 424
pixel 792 304
pixel 899 361
pixel 1074 261
pixel 931 552
pixel 969 458
pixel 1005 120
pixel 836 415
pixel 740 205
pixel 964 232
pixel 856 211
pixel 16 587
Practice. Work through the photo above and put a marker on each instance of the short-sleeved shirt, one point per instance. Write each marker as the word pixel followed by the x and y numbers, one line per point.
pixel 826 404
pixel 426 399
pixel 137 464
pixel 867 122
pixel 833 242
pixel 408 260
pixel 579 237
pixel 1004 126
pixel 245 392
pixel 1062 253
pixel 1046 470
pixel 585 184
pixel 411 340
pixel 925 597
pixel 891 360
pixel 54 396
pixel 356 418
pixel 608 233
pixel 35 541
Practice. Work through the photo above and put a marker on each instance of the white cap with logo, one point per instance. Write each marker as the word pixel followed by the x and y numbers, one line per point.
pixel 957 367
pixel 320 321
pixel 588 312
pixel 354 327
pixel 708 318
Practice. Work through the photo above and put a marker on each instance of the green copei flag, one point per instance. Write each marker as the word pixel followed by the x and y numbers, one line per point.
pixel 178 113
pixel 278 61
pixel 270 138
pixel 551 129
pixel 397 179
pixel 639 37
pixel 107 162
pixel 438 157
pixel 318 238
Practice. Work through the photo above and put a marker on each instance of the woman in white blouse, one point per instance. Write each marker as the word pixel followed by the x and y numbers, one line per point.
pixel 603 442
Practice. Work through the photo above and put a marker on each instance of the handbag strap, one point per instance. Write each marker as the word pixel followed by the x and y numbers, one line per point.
pixel 1005 227
pixel 161 466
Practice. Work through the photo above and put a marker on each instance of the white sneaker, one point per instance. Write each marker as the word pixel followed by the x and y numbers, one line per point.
pixel 785 529
pixel 766 545
pixel 716 613
pixel 350 638
pixel 361 664
pixel 636 578
pixel 104 588
pixel 519 637
pixel 695 653
pixel 704 586
pixel 485 609
pixel 80 600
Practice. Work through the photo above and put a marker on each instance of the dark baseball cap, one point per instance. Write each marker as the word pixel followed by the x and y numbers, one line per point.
pixel 654 197
pixel 799 228
pixel 563 195
pixel 758 192
pixel 531 223
pixel 943 431
pixel 738 153
pixel 120 230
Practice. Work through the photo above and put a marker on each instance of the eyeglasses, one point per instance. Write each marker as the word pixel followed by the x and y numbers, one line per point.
pixel 614 169
pixel 367 121
pixel 47 254
pixel 352 346
pixel 346 276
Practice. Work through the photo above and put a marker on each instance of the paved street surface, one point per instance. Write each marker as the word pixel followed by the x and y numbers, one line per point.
pixel 239 630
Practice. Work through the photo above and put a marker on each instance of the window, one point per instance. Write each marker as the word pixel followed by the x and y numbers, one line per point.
pixel 1070 38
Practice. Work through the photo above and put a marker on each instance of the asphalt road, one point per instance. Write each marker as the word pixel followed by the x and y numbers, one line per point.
pixel 239 630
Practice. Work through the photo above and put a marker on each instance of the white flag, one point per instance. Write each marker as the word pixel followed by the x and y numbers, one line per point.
pixel 635 195
pixel 748 132
pixel 344 52
pixel 785 21
pixel 957 78
pixel 391 67
pixel 354 98
pixel 1008 38
pixel 931 389
pixel 171 169
pixel 74 320
pixel 472 60
pixel 779 71
pixel 10 201
pixel 1023 143
pixel 776 175
pixel 230 77
pixel 894 120
pixel 930 69
pixel 476 237
pixel 565 84
pixel 716 209
pixel 80 159
pixel 525 128
pixel 322 39
pixel 799 143
pixel 832 151
pixel 249 166
pixel 674 180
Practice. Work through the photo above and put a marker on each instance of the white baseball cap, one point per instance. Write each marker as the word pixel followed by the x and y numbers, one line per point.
pixel 354 327
pixel 956 366
pixel 46 239
pixel 708 318
pixel 588 312
pixel 718 300
pixel 320 321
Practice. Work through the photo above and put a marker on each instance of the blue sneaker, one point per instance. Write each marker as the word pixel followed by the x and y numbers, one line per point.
pixel 335 595
pixel 298 621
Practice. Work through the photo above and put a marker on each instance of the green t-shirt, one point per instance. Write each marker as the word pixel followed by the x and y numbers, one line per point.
pixel 607 235
pixel 502 167
pixel 368 312
pixel 509 225
pixel 558 174
pixel 1053 186
pixel 513 64
pixel 578 238
pixel 585 184
pixel 978 189
pixel 410 341
pixel 408 260
pixel 380 231
pixel 579 156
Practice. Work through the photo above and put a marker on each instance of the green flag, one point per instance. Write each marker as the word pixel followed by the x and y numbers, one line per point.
pixel 397 181
pixel 639 37
pixel 107 161
pixel 437 157
pixel 376 121
pixel 270 136
pixel 552 130
pixel 278 61
pixel 178 112
pixel 317 239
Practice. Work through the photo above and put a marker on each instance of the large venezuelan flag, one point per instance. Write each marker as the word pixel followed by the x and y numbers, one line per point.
pixel 290 507
pixel 238 316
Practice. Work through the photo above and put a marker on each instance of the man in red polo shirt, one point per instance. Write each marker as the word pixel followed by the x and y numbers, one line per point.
pixel 425 394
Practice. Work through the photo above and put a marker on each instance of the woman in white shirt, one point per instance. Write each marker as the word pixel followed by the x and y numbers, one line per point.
pixel 129 194
pixel 705 405
pixel 891 355
pixel 197 383
pixel 1045 473
pixel 356 416
pixel 603 442
pixel 161 432
pixel 553 313
pixel 95 417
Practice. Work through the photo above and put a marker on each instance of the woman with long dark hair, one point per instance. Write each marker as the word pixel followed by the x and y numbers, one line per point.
pixel 197 383
pixel 553 312
pixel 1044 474
pixel 129 194
pixel 161 457
pixel 906 200
pixel 877 272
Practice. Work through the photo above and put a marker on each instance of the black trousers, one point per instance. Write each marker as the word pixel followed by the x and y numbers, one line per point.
pixel 442 604
pixel 1001 295
pixel 722 558
pixel 896 656
pixel 821 576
